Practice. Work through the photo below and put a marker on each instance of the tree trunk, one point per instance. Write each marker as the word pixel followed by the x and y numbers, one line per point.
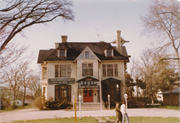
pixel 178 60
pixel 24 95
pixel 170 96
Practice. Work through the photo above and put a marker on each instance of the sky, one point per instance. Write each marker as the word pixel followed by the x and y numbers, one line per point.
pixel 92 17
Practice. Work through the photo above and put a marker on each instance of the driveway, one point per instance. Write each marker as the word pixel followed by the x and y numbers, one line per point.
pixel 29 114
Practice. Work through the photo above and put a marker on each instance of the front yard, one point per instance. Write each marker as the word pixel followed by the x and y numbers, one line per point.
pixel 109 119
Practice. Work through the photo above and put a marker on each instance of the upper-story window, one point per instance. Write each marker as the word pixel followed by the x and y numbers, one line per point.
pixel 110 70
pixel 62 53
pixel 108 52
pixel 86 54
pixel 87 69
pixel 44 72
pixel 62 70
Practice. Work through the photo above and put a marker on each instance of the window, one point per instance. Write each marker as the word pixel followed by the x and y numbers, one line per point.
pixel 44 72
pixel 86 54
pixel 61 53
pixel 110 70
pixel 63 92
pixel 87 69
pixel 62 70
pixel 44 90
pixel 109 52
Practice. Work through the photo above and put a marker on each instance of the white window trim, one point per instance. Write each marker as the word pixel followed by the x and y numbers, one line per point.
pixel 87 65
pixel 59 71
pixel 85 55
pixel 112 53
pixel 64 51
pixel 113 70
pixel 42 71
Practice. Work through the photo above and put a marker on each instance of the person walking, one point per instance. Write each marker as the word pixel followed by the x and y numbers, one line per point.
pixel 124 113
pixel 118 113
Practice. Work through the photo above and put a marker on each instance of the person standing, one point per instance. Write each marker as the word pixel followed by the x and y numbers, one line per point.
pixel 118 113
pixel 124 113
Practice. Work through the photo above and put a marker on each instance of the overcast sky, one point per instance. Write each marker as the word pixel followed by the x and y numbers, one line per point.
pixel 92 17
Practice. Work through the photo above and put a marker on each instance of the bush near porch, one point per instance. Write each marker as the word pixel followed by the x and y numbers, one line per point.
pixel 51 105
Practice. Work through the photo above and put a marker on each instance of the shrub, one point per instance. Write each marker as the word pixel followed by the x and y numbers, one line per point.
pixel 38 102
pixel 42 104
pixel 53 105
pixel 14 106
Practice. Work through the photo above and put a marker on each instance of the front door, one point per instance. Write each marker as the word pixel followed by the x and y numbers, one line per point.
pixel 88 95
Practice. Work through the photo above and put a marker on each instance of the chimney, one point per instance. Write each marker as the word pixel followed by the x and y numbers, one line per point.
pixel 56 45
pixel 64 38
pixel 118 41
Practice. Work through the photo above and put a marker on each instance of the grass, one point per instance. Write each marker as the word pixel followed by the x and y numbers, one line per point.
pixel 83 119
pixel 151 119
pixel 19 108
pixel 162 106
pixel 92 119
pixel 170 107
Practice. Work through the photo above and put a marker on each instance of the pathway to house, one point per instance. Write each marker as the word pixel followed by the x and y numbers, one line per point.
pixel 29 114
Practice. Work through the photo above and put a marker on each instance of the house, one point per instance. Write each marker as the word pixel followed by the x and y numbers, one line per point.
pixel 174 97
pixel 84 68
pixel 159 96
pixel 17 103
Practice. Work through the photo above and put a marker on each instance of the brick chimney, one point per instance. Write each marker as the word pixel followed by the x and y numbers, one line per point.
pixel 64 38
pixel 118 41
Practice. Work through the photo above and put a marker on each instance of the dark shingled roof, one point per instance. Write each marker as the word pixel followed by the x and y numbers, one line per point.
pixel 74 49
pixel 177 90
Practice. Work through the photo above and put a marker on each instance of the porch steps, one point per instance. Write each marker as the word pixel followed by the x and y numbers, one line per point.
pixel 90 106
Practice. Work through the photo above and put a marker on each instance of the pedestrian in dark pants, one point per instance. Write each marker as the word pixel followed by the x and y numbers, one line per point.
pixel 118 113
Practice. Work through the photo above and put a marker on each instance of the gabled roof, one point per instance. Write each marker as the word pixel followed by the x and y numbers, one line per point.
pixel 74 49
pixel 177 90
pixel 86 78
pixel 88 50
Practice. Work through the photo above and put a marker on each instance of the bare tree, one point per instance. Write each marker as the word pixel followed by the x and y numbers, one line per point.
pixel 10 54
pixel 148 68
pixel 20 14
pixel 25 77
pixel 163 20
pixel 34 87
pixel 11 79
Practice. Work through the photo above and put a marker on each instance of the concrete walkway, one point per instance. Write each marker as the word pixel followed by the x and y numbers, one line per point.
pixel 29 114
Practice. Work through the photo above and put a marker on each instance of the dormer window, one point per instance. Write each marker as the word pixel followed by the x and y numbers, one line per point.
pixel 62 53
pixel 109 52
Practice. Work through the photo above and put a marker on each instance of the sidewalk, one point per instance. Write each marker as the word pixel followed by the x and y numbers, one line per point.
pixel 29 114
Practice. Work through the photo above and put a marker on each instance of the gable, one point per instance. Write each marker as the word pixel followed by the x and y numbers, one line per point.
pixel 91 54
pixel 87 78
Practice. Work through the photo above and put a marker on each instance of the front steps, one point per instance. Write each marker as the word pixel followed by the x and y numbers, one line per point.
pixel 90 106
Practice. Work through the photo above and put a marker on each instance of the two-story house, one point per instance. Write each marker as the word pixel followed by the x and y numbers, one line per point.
pixel 84 68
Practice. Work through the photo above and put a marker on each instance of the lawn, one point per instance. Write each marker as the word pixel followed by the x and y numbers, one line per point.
pixel 163 106
pixel 83 119
pixel 19 108
pixel 151 119
pixel 170 107
pixel 111 119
